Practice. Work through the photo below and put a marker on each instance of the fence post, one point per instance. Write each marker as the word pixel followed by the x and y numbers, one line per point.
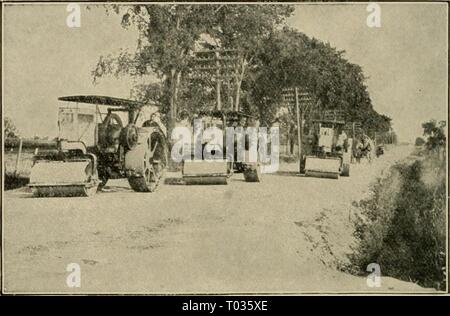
pixel 19 154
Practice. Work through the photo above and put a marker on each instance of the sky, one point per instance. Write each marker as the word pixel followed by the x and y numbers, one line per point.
pixel 405 59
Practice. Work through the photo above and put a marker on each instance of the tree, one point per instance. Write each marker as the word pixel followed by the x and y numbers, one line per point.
pixel 268 59
pixel 10 128
pixel 167 37
pixel 419 141
pixel 246 28
pixel 148 93
pixel 289 58
pixel 435 134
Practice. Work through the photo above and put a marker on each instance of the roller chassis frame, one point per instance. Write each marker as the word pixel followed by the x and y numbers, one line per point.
pixel 113 154
pixel 251 171
pixel 343 155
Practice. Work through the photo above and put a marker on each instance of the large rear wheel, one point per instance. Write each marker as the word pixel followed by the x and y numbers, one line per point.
pixel 146 183
pixel 154 160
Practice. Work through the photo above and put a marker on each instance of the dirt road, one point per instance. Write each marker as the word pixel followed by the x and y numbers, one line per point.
pixel 286 234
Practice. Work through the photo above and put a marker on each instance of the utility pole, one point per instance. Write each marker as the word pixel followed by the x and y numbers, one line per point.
pixel 299 126
pixel 218 82
pixel 219 65
pixel 302 102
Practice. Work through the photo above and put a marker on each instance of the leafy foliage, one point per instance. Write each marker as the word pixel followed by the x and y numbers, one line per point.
pixel 403 227
pixel 247 28
pixel 435 134
pixel 290 58
pixel 170 33
pixel 151 93
pixel 167 37
pixel 269 58
pixel 10 128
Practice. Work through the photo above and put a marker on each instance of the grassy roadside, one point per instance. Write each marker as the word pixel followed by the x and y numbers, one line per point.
pixel 402 224
pixel 13 178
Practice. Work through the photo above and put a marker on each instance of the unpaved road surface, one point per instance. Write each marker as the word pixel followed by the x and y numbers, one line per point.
pixel 284 235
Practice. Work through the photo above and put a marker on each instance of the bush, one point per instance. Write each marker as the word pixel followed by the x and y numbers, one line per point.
pixel 402 227
pixel 419 141
pixel 288 158
pixel 13 181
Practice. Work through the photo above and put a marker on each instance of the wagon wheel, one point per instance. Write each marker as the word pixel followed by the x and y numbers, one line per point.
pixel 155 160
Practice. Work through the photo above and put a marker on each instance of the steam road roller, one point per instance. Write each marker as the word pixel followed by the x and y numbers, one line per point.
pixel 94 145
pixel 218 170
pixel 327 151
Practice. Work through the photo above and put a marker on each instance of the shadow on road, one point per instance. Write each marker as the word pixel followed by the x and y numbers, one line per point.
pixel 174 181
pixel 114 189
pixel 285 174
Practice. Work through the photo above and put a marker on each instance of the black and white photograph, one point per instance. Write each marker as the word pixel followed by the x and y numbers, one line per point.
pixel 224 148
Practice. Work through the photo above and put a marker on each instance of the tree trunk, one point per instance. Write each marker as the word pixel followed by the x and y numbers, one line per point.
pixel 292 140
pixel 175 93
pixel 175 77
pixel 171 121
pixel 239 78
pixel 288 140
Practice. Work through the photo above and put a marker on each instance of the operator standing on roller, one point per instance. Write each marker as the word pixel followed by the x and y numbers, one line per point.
pixel 341 142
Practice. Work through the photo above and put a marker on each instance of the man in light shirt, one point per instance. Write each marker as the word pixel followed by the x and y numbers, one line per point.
pixel 341 141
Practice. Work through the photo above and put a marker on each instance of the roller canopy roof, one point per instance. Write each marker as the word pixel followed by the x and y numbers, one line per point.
pixel 104 100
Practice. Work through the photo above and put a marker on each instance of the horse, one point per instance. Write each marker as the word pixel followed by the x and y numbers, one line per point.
pixel 364 149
